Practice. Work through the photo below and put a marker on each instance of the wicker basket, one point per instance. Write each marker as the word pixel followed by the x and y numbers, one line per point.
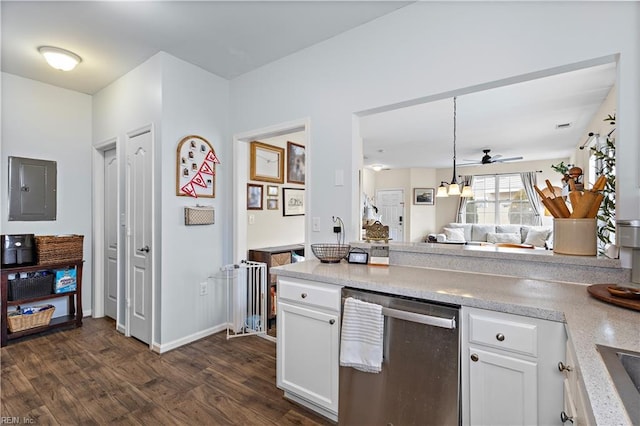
pixel 330 253
pixel 24 322
pixel 58 248
pixel 24 288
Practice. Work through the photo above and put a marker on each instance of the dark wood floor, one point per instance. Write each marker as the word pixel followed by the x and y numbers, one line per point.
pixel 94 376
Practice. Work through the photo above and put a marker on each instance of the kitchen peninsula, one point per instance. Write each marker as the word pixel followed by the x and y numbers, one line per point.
pixel 587 321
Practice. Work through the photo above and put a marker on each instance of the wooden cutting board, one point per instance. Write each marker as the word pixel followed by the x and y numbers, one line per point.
pixel 599 291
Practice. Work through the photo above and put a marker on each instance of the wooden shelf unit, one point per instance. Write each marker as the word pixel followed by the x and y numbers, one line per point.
pixel 74 314
pixel 274 256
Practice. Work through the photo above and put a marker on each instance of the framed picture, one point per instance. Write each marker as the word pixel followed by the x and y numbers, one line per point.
pixel 424 196
pixel 272 191
pixel 254 196
pixel 295 163
pixel 266 163
pixel 272 204
pixel 292 201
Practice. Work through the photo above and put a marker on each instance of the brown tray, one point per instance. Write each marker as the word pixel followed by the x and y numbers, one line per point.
pixel 599 291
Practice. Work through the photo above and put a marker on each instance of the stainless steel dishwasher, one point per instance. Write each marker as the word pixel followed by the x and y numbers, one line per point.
pixel 420 379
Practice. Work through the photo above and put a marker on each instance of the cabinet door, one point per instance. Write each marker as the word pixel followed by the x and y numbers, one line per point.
pixel 502 389
pixel 307 362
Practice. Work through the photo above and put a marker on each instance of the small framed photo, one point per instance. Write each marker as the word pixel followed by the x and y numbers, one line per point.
pixel 272 191
pixel 254 196
pixel 424 196
pixel 272 204
pixel 295 163
pixel 292 202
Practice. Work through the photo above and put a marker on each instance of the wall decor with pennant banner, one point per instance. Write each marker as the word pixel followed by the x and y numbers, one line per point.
pixel 196 168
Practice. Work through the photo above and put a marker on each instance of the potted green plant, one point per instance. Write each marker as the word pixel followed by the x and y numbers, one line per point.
pixel 605 159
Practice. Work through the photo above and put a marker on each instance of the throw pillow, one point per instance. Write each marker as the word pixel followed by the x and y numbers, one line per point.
pixel 454 235
pixel 537 237
pixel 479 232
pixel 511 229
pixel 503 237
pixel 465 226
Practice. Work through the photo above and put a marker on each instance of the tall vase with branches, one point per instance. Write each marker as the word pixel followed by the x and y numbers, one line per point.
pixel 605 160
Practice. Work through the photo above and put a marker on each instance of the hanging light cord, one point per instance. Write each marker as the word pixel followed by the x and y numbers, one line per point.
pixel 454 180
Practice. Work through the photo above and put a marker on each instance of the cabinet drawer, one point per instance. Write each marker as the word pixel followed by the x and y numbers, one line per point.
pixel 504 331
pixel 310 293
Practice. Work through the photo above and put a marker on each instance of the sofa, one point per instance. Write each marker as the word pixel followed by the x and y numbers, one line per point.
pixel 479 234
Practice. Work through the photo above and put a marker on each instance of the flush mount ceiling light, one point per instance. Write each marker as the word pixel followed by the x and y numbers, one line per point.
pixel 454 187
pixel 60 59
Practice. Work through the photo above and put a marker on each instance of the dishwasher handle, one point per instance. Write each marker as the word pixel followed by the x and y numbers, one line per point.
pixel 449 323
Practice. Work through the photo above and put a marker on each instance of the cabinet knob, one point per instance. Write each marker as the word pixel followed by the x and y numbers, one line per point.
pixel 564 367
pixel 475 357
pixel 332 321
pixel 564 418
pixel 500 337
pixel 303 295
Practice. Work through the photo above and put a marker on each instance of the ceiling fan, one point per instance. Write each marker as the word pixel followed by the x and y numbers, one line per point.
pixel 488 159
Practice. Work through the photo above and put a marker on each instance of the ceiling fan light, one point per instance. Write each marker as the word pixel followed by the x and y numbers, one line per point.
pixel 442 191
pixel 467 192
pixel 59 59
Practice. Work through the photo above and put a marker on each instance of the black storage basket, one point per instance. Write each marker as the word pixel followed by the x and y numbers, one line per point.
pixel 25 288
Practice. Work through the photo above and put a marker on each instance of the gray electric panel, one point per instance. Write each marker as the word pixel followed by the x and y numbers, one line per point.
pixel 32 189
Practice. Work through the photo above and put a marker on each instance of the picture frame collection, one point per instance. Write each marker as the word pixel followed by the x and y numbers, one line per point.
pixel 267 164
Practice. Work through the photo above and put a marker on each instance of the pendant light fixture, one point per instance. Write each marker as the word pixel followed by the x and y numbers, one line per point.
pixel 452 189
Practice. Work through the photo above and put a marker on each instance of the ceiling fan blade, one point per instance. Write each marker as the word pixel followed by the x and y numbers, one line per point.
pixel 502 160
pixel 495 157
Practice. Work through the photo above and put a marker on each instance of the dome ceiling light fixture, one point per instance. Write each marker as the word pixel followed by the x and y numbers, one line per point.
pixel 59 59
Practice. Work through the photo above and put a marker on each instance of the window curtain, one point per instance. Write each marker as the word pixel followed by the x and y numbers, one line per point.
pixel 529 180
pixel 467 180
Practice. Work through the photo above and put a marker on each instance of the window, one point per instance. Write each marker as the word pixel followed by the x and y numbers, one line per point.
pixel 499 199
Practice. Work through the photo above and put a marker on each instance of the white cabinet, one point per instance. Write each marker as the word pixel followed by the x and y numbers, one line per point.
pixel 510 370
pixel 577 410
pixel 308 341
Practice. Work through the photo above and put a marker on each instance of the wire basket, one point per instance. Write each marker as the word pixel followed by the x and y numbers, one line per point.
pixel 37 319
pixel 330 253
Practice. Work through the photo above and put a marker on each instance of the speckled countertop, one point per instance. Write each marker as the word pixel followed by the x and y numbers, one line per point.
pixel 588 321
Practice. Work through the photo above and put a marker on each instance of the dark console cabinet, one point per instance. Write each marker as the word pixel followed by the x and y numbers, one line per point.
pixel 274 256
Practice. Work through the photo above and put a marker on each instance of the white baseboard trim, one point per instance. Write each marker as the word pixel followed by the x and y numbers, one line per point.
pixel 165 347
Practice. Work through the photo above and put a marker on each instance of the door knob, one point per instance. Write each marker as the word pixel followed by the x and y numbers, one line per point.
pixel 144 249
pixel 475 357
pixel 563 367
pixel 564 418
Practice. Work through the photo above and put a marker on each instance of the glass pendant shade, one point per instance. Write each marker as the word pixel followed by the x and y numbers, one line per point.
pixel 442 191
pixel 454 189
pixel 467 192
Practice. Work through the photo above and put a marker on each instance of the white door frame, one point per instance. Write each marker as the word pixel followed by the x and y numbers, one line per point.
pixel 98 236
pixel 241 174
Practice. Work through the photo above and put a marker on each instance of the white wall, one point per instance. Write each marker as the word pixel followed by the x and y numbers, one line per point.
pixel 428 48
pixel 269 227
pixel 178 99
pixel 193 102
pixel 49 123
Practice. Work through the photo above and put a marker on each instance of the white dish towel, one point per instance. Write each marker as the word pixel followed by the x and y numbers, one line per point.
pixel 362 336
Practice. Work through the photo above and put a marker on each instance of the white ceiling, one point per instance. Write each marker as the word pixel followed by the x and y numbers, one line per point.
pixel 227 38
pixel 513 120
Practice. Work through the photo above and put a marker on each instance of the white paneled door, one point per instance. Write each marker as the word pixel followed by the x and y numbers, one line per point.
pixel 390 203
pixel 139 205
pixel 110 233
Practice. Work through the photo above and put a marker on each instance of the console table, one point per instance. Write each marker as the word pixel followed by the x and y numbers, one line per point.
pixel 74 315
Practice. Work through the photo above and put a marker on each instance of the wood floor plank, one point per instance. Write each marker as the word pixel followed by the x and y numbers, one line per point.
pixel 95 375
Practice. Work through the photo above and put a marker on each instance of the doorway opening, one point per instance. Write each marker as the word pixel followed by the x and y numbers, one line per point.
pixel 266 229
